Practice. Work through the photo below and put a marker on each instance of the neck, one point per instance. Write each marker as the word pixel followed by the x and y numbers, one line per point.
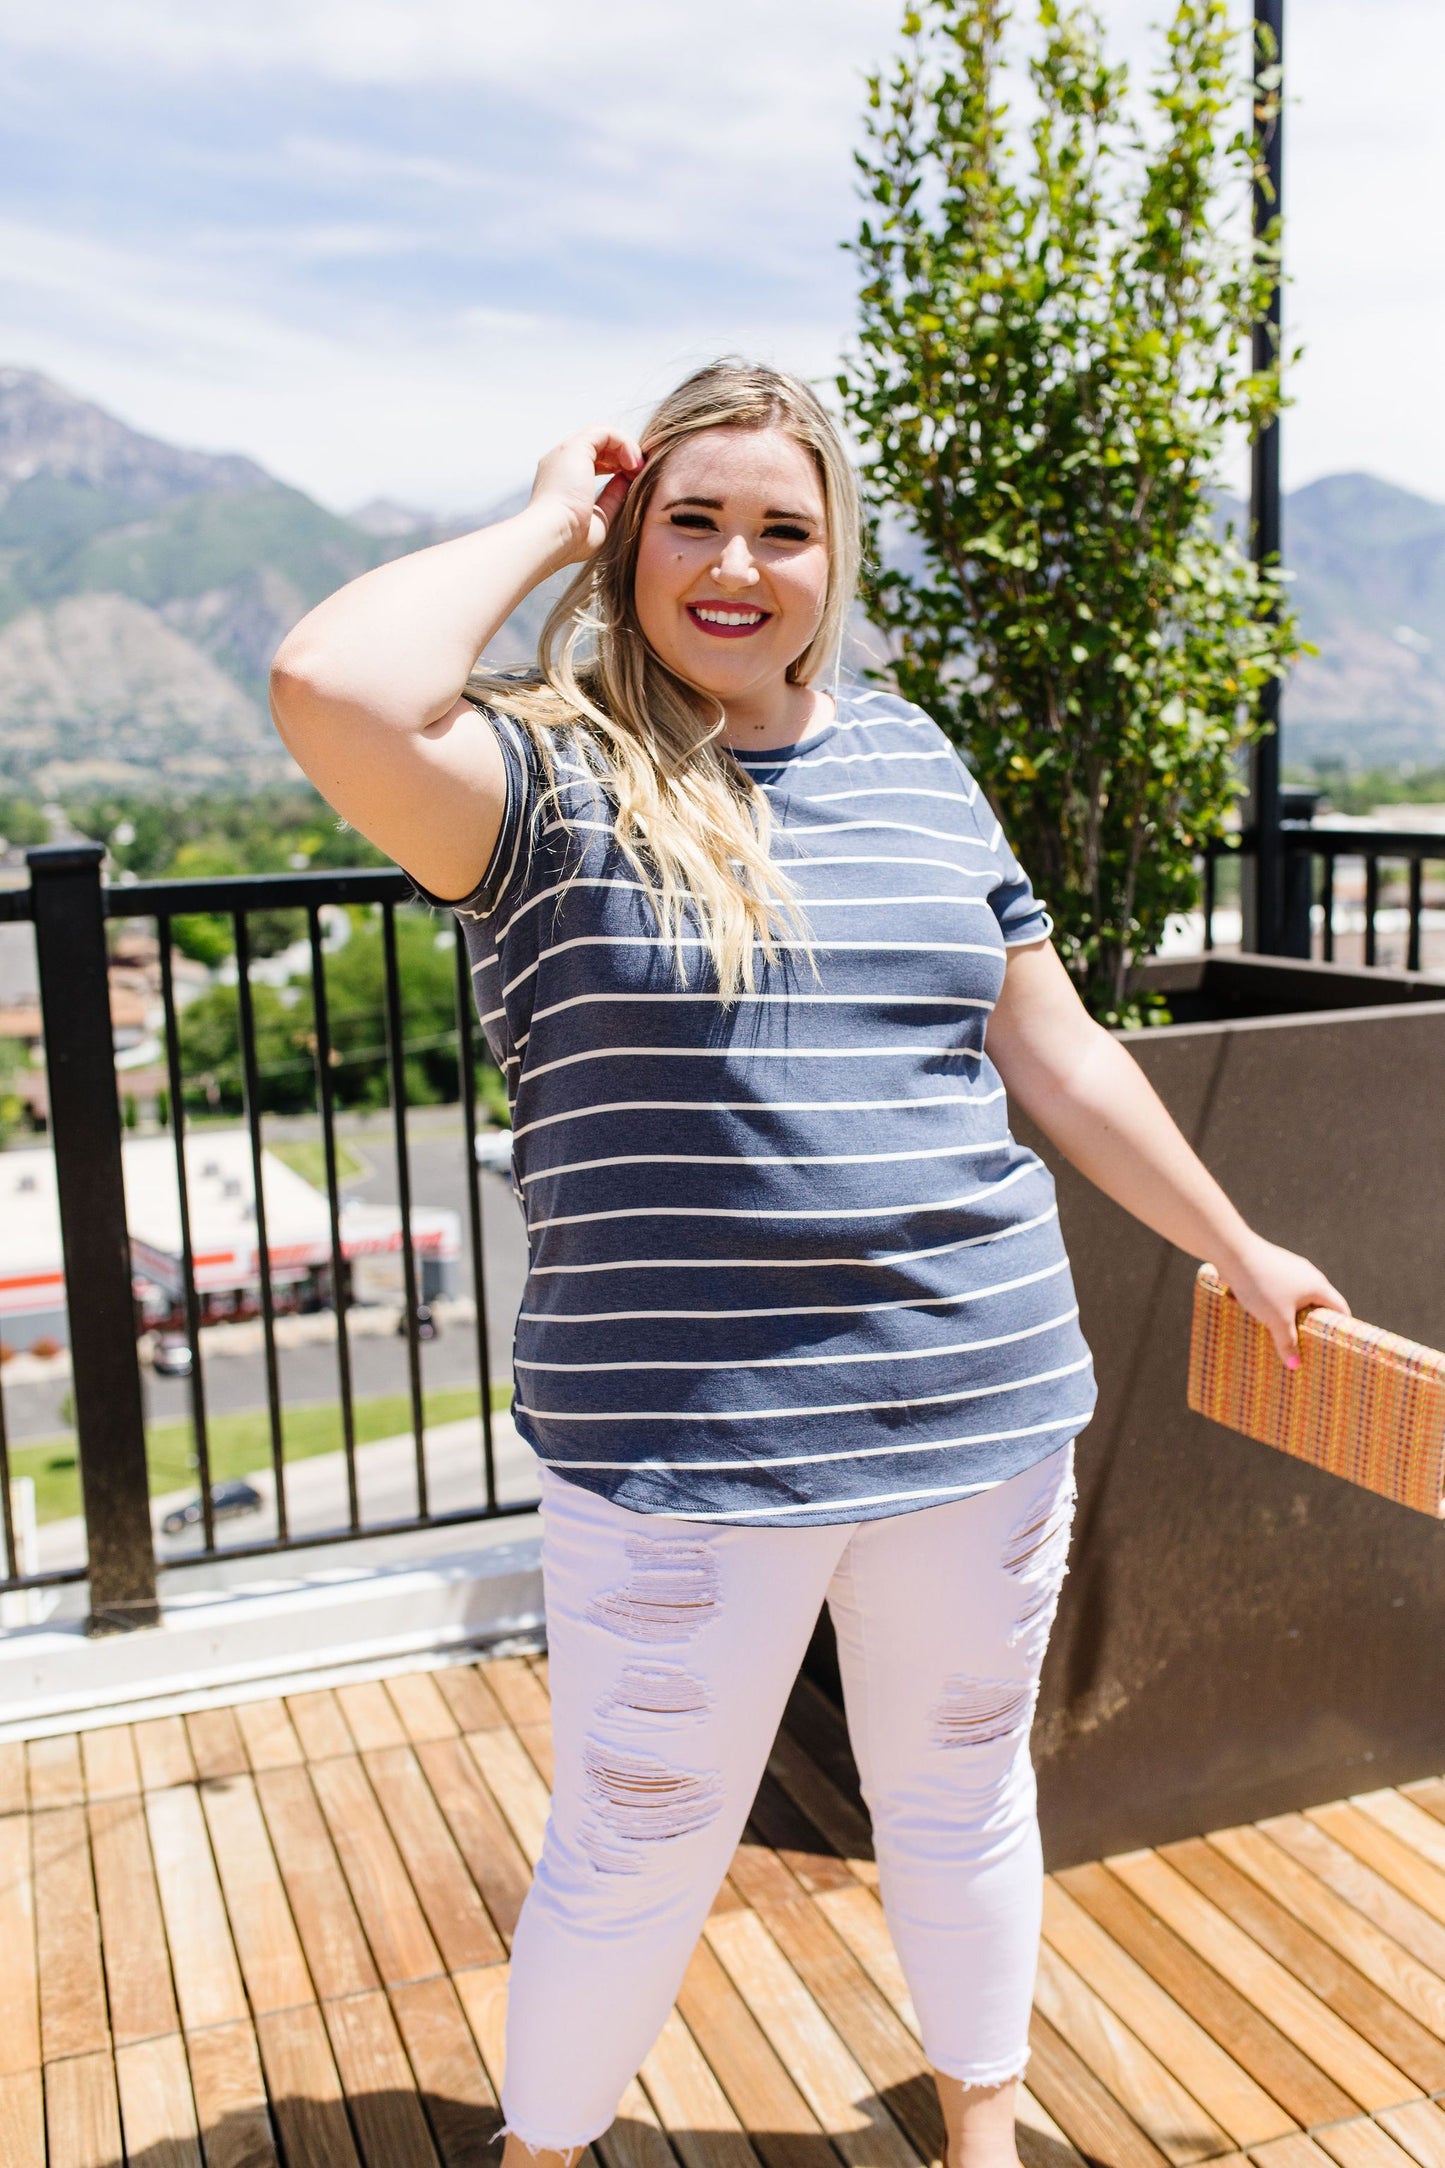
pixel 774 716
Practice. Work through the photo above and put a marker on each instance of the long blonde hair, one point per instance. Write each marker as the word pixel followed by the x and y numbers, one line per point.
pixel 690 821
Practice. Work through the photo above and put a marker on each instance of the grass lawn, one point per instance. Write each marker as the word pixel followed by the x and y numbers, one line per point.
pixel 306 1156
pixel 239 1443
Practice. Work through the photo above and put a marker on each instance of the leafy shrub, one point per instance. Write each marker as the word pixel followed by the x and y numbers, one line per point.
pixel 1052 353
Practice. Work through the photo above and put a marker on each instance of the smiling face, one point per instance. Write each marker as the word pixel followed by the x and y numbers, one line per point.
pixel 732 560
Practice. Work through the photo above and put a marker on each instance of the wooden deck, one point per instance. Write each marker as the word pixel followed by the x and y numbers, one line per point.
pixel 278 1933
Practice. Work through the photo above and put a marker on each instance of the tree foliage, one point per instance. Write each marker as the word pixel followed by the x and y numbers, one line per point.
pixel 286 829
pixel 285 1028
pixel 1052 353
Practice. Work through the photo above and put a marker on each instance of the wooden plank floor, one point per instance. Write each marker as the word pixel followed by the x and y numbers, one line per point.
pixel 278 1934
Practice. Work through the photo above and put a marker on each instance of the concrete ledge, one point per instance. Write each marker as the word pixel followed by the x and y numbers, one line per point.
pixel 328 1619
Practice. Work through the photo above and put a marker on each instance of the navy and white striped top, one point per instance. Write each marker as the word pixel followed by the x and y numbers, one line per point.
pixel 787 1263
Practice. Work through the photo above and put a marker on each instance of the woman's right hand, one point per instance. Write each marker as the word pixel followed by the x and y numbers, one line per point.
pixel 566 486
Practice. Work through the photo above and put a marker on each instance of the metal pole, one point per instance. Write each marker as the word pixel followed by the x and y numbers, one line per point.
pixel 85 1135
pixel 1264 907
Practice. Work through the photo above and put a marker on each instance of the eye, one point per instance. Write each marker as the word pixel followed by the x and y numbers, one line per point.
pixel 789 533
pixel 698 520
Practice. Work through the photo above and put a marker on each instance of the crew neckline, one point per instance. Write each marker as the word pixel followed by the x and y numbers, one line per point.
pixel 770 756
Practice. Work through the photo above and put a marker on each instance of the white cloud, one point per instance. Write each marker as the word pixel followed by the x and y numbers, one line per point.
pixel 450 420
pixel 283 307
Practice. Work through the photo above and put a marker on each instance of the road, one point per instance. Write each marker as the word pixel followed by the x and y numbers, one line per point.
pixel 237 1382
pixel 316 1492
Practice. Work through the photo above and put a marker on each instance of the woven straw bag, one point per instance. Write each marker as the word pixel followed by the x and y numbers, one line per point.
pixel 1364 1404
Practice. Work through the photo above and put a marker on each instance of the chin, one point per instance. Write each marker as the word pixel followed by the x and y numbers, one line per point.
pixel 725 675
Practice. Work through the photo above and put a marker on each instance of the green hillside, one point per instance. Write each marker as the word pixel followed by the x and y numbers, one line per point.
pixel 144 589
pixel 201 544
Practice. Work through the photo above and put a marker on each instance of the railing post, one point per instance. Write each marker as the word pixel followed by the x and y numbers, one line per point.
pixel 1262 888
pixel 86 1137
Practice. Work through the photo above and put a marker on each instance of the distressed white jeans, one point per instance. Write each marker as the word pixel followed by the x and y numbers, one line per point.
pixel 674 1645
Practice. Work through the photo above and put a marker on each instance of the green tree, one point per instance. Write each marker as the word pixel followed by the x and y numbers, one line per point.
pixel 1052 353
pixel 356 996
pixel 22 823
pixel 282 830
pixel 211 1061
pixel 285 1028
pixel 12 1106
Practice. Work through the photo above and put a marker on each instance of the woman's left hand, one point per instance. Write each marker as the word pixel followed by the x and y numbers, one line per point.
pixel 1275 1285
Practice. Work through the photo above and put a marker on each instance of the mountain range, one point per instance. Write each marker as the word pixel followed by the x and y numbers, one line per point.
pixel 144 589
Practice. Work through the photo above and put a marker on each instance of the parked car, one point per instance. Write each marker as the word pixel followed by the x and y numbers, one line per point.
pixel 494 1150
pixel 427 1327
pixel 171 1357
pixel 227 1500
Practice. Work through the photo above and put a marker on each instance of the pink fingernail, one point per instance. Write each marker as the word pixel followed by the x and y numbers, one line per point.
pixel 1291 1362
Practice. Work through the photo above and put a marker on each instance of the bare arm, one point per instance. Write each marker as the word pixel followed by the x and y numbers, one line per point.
pixel 1090 1097
pixel 366 690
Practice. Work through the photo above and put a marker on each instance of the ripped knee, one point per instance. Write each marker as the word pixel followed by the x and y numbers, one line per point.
pixel 637 1801
pixel 656 1690
pixel 670 1594
pixel 978 1712
pixel 1037 1556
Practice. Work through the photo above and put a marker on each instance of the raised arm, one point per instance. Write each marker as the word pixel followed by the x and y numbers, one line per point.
pixel 1090 1097
pixel 366 690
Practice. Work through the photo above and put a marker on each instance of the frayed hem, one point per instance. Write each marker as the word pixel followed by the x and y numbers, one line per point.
pixel 576 2147
pixel 987 2077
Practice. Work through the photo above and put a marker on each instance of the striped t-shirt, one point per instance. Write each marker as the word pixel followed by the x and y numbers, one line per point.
pixel 787 1265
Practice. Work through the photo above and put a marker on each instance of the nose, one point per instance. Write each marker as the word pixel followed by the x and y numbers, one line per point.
pixel 735 567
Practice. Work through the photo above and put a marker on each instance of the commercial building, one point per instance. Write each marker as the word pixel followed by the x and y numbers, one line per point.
pixel 221 1195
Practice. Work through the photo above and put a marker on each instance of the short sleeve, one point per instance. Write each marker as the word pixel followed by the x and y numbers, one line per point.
pixel 511 854
pixel 1020 915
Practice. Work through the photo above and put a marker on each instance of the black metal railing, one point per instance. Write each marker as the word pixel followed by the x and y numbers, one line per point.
pixel 1312 856
pixel 69 907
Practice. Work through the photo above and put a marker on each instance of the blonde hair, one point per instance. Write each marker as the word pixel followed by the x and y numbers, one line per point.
pixel 690 821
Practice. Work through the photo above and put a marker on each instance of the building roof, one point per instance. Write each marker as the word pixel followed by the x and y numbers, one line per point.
pixel 221 1194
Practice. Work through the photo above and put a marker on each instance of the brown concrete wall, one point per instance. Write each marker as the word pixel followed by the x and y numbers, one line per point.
pixel 1239 1634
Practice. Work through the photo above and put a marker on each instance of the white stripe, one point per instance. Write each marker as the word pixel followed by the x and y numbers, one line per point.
pixel 789 1415
pixel 859 903
pixel 885 790
pixel 695 941
pixel 939 865
pixel 895 722
pixel 767 1159
pixel 806 1309
pixel 574 825
pixel 755 1053
pixel 790 1000
pixel 814 1362
pixel 759 1106
pixel 810 1460
pixel 638 888
pixel 901 828
pixel 793 1264
pixel 806 1212
pixel 575 880
pixel 521 811
pixel 850 760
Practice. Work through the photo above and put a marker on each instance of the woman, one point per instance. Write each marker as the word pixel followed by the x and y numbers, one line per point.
pixel 798 1323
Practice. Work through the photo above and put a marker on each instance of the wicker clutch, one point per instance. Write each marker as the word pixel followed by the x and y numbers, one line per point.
pixel 1364 1404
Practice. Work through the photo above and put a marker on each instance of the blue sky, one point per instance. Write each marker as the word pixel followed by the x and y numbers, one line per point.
pixel 398 246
